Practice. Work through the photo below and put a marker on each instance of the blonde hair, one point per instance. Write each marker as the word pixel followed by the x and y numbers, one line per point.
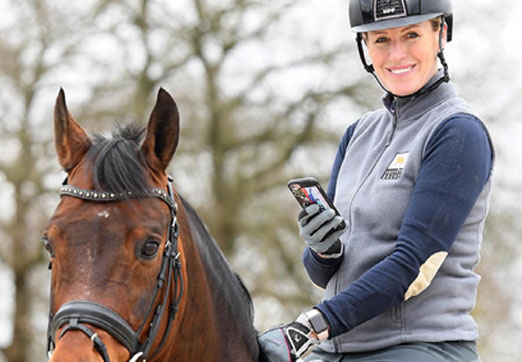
pixel 436 23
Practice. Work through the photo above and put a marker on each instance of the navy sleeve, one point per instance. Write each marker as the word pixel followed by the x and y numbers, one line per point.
pixel 456 165
pixel 319 269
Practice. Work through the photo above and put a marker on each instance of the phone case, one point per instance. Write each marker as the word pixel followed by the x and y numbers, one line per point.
pixel 308 191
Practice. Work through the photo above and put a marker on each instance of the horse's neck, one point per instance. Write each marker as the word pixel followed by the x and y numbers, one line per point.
pixel 198 333
pixel 208 328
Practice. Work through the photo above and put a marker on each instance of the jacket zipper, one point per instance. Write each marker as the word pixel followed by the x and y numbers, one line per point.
pixel 394 111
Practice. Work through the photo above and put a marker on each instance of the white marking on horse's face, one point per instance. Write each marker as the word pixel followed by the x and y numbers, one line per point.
pixel 104 214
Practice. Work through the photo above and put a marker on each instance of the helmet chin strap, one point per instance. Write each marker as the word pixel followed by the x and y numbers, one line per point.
pixel 371 69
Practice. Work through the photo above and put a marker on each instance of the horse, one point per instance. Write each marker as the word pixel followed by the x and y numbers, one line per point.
pixel 135 274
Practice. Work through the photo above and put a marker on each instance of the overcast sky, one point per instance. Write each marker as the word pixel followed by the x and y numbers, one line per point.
pixel 487 44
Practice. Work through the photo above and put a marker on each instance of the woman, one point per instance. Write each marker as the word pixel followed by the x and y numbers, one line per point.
pixel 412 182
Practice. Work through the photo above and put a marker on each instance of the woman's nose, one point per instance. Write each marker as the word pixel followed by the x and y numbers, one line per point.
pixel 398 51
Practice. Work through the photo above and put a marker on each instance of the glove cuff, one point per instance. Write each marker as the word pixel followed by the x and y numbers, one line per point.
pixel 334 252
pixel 299 338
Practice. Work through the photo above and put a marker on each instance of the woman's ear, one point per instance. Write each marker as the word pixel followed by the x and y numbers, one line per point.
pixel 444 35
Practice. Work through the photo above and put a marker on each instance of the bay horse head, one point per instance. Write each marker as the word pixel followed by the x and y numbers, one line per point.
pixel 135 274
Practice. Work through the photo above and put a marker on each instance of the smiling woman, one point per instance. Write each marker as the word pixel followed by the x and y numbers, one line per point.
pixel 412 182
pixel 399 16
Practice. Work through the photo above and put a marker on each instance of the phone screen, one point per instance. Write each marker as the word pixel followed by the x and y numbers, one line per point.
pixel 308 195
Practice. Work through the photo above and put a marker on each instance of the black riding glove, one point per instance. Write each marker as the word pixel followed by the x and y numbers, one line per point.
pixel 287 343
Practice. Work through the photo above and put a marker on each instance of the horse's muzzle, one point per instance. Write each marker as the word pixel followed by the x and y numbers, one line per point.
pixel 76 314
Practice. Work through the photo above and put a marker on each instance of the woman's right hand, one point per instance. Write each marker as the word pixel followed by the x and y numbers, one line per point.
pixel 321 230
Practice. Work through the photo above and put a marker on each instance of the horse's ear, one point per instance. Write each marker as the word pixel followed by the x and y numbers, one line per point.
pixel 71 141
pixel 162 135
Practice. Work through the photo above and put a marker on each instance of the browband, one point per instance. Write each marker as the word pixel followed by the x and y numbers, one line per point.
pixel 98 196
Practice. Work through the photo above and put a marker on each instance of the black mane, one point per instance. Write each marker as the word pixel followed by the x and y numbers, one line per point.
pixel 117 163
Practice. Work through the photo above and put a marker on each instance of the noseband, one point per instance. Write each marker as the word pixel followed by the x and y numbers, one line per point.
pixel 74 315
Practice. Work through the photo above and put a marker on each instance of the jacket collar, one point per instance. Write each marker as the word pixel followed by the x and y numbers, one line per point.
pixel 413 106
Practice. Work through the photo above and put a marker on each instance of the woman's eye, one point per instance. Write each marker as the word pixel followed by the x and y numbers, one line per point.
pixel 412 35
pixel 381 40
pixel 149 249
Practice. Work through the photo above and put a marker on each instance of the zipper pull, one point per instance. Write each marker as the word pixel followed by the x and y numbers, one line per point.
pixel 394 124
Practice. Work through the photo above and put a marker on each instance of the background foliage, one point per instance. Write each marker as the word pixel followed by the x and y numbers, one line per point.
pixel 265 90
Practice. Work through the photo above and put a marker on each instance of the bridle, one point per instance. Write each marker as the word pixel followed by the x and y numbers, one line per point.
pixel 74 315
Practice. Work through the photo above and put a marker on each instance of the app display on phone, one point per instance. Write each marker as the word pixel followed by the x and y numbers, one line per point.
pixel 308 195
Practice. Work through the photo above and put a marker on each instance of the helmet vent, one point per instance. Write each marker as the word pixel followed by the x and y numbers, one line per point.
pixel 388 9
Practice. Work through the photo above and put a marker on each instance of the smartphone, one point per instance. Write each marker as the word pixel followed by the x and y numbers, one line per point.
pixel 308 191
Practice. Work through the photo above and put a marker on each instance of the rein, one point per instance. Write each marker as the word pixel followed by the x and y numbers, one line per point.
pixel 75 314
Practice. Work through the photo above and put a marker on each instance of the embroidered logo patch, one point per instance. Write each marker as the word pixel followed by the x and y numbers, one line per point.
pixel 395 168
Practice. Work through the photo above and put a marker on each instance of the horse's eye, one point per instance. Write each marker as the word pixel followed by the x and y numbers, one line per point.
pixel 48 247
pixel 149 249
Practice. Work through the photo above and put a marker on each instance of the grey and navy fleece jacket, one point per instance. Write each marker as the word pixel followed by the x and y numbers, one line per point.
pixel 412 181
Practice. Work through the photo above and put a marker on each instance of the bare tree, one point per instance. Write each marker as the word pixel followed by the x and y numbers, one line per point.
pixel 260 103
pixel 241 134
pixel 246 136
pixel 31 54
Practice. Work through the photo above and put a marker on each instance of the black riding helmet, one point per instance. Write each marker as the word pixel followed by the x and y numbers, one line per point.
pixel 369 15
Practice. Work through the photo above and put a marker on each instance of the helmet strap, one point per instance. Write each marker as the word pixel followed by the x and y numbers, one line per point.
pixel 368 67
pixel 371 69
pixel 440 54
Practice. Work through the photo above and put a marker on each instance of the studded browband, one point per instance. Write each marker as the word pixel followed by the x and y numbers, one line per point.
pixel 98 196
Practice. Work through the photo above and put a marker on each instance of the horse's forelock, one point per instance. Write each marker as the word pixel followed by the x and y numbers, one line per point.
pixel 117 163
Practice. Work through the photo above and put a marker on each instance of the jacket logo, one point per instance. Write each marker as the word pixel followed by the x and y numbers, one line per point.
pixel 395 168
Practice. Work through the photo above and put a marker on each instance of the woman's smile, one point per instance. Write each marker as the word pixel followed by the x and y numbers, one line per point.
pixel 401 71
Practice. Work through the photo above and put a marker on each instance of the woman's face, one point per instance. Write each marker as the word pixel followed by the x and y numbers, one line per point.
pixel 404 58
